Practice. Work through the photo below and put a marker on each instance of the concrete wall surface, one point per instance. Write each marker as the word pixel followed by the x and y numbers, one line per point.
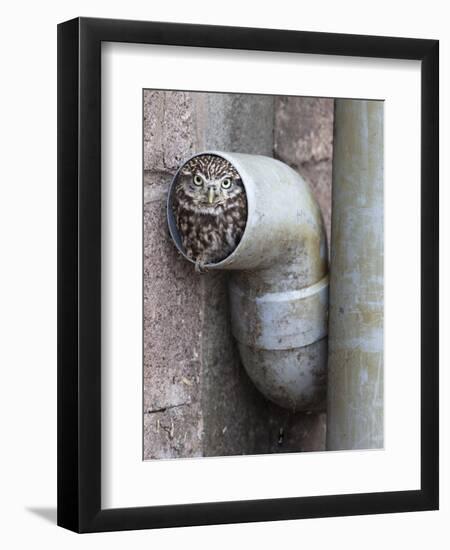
pixel 198 400
pixel 304 140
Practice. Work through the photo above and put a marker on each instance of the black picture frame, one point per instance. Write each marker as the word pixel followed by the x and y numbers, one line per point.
pixel 79 274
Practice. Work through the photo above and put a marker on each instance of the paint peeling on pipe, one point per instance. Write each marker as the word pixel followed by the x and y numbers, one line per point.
pixel 278 284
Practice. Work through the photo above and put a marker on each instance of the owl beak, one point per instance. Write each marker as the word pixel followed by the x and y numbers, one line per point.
pixel 211 193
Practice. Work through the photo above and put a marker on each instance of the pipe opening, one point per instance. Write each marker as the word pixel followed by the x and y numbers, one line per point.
pixel 278 286
pixel 207 209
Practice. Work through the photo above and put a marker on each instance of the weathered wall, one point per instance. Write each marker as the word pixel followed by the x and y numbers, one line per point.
pixel 304 140
pixel 198 399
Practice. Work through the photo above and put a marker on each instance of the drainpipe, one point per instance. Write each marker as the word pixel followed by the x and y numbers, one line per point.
pixel 355 363
pixel 278 284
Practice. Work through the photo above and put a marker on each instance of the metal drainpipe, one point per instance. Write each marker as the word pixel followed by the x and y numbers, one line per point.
pixel 279 283
pixel 355 363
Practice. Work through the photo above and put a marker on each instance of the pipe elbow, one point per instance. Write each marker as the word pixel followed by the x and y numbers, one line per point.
pixel 278 286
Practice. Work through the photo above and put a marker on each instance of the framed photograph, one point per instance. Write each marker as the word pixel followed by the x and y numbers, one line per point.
pixel 247 275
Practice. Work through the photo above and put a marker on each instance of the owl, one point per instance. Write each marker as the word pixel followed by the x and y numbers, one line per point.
pixel 210 209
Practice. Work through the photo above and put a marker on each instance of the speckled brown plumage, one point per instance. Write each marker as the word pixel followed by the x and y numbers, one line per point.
pixel 210 209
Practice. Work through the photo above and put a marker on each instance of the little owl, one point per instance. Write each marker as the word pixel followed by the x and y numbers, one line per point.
pixel 210 209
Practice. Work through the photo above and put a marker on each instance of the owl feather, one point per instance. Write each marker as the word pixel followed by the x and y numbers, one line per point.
pixel 210 209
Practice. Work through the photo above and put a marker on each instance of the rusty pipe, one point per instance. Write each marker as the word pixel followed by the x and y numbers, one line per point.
pixel 278 285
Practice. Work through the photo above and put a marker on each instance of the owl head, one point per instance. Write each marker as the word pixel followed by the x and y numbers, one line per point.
pixel 209 181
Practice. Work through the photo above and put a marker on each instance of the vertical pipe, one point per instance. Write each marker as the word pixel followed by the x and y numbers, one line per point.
pixel 279 283
pixel 355 377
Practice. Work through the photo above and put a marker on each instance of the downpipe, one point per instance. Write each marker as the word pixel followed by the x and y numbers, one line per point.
pixel 278 285
pixel 355 418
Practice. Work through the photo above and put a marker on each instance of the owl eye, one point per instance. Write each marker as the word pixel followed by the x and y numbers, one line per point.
pixel 198 180
pixel 226 183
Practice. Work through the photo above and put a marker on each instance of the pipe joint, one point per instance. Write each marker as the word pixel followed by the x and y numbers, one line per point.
pixel 280 320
